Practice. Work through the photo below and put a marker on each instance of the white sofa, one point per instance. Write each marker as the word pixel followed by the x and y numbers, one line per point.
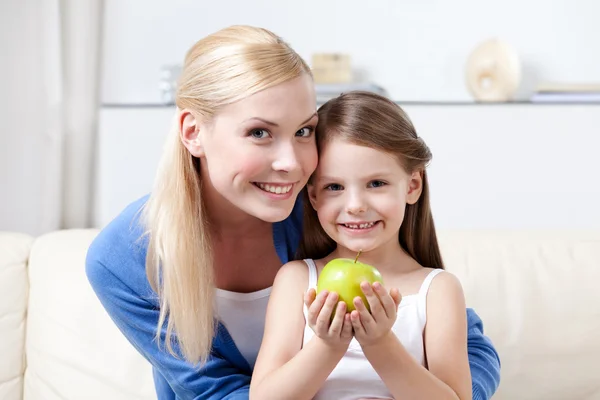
pixel 537 293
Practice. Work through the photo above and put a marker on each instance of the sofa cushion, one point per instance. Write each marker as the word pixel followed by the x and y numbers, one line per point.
pixel 74 351
pixel 537 293
pixel 14 251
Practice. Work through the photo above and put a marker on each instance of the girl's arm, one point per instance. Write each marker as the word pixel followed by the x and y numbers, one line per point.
pixel 448 375
pixel 285 370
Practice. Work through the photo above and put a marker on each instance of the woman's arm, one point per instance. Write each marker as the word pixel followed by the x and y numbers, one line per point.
pixel 116 269
pixel 284 369
pixel 448 375
pixel 137 318
pixel 483 359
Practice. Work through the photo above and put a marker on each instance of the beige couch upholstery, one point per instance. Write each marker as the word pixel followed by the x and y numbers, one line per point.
pixel 536 292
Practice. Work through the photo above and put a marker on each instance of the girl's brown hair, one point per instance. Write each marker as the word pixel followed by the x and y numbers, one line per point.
pixel 371 120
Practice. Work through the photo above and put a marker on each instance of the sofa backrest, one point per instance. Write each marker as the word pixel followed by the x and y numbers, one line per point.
pixel 535 291
pixel 74 351
pixel 14 252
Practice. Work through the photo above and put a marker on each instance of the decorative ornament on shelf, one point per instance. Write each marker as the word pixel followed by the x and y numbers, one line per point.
pixel 333 74
pixel 493 71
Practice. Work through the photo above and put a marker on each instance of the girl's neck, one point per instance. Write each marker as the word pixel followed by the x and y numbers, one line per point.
pixel 387 257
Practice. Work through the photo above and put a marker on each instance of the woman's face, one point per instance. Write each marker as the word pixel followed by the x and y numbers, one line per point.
pixel 258 153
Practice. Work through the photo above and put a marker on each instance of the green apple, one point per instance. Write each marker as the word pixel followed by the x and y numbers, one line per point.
pixel 344 276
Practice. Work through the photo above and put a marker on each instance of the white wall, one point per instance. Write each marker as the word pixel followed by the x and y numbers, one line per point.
pixel 416 49
pixel 494 166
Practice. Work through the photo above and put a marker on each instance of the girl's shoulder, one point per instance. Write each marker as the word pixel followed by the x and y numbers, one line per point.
pixel 444 285
pixel 293 271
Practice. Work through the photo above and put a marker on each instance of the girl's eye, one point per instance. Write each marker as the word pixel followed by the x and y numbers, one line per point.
pixel 259 133
pixel 307 131
pixel 334 187
pixel 376 184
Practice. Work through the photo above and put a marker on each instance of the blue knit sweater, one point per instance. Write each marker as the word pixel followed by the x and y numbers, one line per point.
pixel 115 267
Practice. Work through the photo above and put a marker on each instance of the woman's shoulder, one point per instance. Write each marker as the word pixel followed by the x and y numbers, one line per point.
pixel 118 253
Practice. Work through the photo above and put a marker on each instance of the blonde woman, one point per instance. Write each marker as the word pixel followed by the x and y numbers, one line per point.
pixel 186 272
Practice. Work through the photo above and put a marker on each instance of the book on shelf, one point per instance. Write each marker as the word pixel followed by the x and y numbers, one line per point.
pixel 557 92
pixel 327 91
pixel 548 97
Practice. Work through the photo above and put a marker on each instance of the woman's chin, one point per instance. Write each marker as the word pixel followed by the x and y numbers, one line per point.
pixel 273 214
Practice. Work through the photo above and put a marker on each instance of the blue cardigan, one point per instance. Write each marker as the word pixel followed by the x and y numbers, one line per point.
pixel 115 267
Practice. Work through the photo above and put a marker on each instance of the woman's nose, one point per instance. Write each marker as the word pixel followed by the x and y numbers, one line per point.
pixel 285 158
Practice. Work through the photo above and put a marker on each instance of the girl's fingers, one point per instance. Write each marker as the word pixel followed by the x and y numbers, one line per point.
pixel 359 330
pixel 366 318
pixel 375 305
pixel 338 320
pixel 346 328
pixel 309 297
pixel 396 296
pixel 387 301
pixel 315 307
pixel 324 317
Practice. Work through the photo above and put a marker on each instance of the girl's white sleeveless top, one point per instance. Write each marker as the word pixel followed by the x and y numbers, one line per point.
pixel 354 377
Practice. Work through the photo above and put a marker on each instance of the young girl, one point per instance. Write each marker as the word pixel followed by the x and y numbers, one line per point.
pixel 368 194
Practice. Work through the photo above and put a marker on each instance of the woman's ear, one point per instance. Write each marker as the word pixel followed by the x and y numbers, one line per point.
pixel 191 137
pixel 310 188
pixel 415 187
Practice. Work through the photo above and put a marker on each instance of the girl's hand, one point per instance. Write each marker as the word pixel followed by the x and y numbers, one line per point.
pixel 336 332
pixel 371 327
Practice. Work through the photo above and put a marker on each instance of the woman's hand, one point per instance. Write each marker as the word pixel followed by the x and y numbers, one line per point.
pixel 336 332
pixel 371 327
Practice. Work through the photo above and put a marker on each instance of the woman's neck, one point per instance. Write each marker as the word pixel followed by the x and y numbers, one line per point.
pixel 228 221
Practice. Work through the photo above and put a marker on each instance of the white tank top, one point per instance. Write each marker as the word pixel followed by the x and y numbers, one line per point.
pixel 354 377
pixel 243 314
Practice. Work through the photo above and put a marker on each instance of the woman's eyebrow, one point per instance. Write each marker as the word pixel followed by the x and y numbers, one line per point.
pixel 309 118
pixel 271 123
pixel 264 121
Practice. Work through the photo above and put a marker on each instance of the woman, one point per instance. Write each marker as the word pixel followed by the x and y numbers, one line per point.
pixel 186 272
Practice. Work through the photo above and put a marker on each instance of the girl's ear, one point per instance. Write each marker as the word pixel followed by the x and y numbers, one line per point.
pixel 415 187
pixel 312 195
pixel 191 136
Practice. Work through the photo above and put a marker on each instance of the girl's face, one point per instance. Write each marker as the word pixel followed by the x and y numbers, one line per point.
pixel 360 195
pixel 258 153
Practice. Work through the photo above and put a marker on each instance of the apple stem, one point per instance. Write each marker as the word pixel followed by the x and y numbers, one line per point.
pixel 358 255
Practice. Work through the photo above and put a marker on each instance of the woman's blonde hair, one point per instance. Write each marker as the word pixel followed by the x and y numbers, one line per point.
pixel 370 120
pixel 218 70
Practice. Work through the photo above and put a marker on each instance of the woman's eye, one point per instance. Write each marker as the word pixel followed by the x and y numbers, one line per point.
pixel 305 132
pixel 376 184
pixel 259 134
pixel 333 187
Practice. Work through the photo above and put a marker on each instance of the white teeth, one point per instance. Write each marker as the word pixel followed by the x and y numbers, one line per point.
pixel 275 189
pixel 360 226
